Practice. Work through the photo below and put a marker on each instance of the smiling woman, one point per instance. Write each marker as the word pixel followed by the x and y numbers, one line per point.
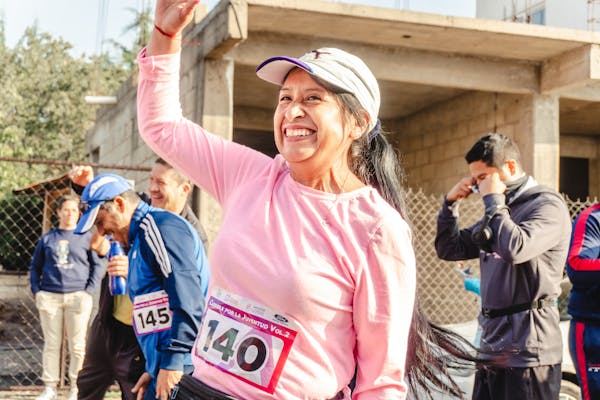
pixel 315 243
pixel 311 134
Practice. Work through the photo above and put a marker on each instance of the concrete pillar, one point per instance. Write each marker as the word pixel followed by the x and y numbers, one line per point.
pixel 540 146
pixel 215 104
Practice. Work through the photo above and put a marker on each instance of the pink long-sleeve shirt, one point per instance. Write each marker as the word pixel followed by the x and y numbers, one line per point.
pixel 304 284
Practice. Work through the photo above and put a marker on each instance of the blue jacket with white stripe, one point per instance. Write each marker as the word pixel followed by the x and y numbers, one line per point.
pixel 167 254
pixel 583 265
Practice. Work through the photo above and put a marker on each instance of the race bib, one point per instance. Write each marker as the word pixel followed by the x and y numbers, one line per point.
pixel 245 339
pixel 151 313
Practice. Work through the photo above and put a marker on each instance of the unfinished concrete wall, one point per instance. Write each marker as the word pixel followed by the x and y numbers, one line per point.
pixel 433 142
pixel 115 136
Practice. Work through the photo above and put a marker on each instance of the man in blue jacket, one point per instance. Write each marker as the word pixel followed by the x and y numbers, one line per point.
pixel 583 269
pixel 167 275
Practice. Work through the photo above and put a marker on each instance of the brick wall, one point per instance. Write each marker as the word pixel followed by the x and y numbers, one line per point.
pixel 433 142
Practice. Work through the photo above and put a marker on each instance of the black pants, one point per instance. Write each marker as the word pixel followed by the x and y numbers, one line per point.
pixel 112 353
pixel 533 383
pixel 190 388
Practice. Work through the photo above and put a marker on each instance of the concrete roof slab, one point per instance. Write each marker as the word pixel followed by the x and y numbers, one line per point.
pixel 394 27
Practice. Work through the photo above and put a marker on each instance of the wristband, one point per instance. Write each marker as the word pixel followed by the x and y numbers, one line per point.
pixel 170 36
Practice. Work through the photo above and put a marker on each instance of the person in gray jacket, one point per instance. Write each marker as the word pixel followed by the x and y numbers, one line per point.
pixel 522 243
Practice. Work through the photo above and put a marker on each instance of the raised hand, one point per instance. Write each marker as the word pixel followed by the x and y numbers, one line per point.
pixel 171 16
pixel 81 175
pixel 492 184
pixel 461 190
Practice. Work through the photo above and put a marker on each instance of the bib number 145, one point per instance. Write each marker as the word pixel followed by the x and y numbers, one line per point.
pixel 151 313
pixel 153 318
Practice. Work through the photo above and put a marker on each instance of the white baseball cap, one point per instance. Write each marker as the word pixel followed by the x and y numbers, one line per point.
pixel 336 67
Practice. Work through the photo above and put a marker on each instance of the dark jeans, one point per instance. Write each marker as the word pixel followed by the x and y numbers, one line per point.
pixel 112 353
pixel 190 388
pixel 533 383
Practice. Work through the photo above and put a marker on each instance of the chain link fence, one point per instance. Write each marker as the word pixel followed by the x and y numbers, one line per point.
pixel 23 215
pixel 27 212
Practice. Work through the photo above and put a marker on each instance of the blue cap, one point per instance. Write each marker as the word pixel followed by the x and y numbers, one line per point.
pixel 101 189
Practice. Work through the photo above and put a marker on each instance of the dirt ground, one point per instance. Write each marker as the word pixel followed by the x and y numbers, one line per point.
pixel 21 343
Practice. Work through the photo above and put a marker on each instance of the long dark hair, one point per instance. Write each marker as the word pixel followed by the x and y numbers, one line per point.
pixel 433 351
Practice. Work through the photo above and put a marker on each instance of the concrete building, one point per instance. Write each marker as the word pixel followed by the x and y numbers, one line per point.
pixel 572 14
pixel 445 81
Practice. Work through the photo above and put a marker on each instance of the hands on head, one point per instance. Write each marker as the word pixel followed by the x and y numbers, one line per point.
pixel 461 190
pixel 81 175
pixel 490 184
pixel 99 243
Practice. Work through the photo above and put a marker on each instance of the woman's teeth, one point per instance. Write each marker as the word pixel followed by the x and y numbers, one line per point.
pixel 298 132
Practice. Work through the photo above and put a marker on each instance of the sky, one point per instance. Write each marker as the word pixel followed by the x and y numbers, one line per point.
pixel 89 24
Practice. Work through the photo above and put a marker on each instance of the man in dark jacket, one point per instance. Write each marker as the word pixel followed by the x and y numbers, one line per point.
pixel 521 242
pixel 113 352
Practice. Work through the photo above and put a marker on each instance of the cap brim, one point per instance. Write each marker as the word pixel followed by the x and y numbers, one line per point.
pixel 87 220
pixel 275 69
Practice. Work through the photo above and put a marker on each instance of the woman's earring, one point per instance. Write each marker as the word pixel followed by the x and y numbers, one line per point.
pixel 356 134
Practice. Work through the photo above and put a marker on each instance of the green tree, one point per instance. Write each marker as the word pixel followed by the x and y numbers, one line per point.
pixel 43 113
pixel 141 26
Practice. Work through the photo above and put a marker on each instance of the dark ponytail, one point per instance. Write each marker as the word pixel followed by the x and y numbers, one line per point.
pixel 433 352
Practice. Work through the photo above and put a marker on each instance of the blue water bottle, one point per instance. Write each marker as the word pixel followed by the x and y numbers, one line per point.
pixel 116 284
